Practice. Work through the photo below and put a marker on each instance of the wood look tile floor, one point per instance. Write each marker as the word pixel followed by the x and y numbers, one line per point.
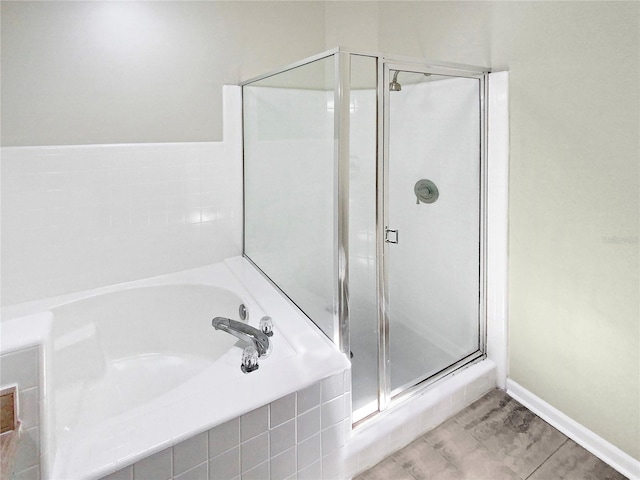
pixel 494 438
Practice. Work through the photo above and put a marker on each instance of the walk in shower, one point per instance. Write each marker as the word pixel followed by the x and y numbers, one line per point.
pixel 364 202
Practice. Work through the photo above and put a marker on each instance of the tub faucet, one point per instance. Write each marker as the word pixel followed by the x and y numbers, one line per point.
pixel 244 332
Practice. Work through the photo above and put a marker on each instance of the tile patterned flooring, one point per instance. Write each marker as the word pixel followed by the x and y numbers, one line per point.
pixel 494 438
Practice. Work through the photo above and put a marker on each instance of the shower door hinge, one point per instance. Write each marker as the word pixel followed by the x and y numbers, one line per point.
pixel 390 236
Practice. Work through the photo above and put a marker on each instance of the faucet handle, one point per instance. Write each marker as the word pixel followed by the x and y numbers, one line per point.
pixel 243 312
pixel 266 326
pixel 249 359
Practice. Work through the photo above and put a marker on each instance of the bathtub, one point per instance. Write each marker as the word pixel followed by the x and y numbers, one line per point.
pixel 130 370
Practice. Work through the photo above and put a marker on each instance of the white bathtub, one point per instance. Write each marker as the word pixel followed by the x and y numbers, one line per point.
pixel 135 368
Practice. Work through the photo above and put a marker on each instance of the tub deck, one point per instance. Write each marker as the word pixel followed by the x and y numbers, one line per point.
pixel 138 404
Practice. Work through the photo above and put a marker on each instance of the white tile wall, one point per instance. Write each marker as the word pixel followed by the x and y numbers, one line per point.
pixel 200 472
pixel 282 437
pixel 283 410
pixel 79 217
pixel 261 472
pixel 312 472
pixel 308 398
pixel 254 423
pixel 283 465
pixel 226 465
pixel 309 451
pixel 21 368
pixel 277 441
pixel 157 467
pixel 289 135
pixel 193 451
pixel 254 452
pixel 332 412
pixel 316 441
pixel 224 437
pixel 308 423
pixel 332 387
pixel 29 401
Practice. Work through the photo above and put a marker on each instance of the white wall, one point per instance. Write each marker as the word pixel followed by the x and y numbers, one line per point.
pixel 574 89
pixel 574 182
pixel 130 72
pixel 574 109
pixel 79 217
pixel 112 77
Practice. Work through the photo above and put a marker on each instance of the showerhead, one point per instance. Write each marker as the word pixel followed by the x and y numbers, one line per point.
pixel 394 86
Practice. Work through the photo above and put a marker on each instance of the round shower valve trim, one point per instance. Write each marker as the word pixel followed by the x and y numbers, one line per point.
pixel 426 191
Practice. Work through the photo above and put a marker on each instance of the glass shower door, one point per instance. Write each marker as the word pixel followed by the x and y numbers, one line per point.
pixel 432 223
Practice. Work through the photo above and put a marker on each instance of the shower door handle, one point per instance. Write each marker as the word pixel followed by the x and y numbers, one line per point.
pixel 390 236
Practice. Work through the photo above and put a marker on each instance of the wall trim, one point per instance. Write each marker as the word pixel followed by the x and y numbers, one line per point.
pixel 601 448
pixel 497 224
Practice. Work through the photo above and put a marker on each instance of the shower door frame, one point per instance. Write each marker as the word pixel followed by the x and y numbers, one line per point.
pixel 385 65
pixel 341 314
pixel 341 94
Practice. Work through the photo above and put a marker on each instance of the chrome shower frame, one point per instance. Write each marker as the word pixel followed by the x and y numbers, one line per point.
pixel 386 397
pixel 342 76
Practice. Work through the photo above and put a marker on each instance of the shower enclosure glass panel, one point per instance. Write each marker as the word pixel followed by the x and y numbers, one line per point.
pixel 363 311
pixel 432 223
pixel 289 179
pixel 364 203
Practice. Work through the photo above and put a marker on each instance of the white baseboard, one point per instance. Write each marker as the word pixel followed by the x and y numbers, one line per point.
pixel 601 448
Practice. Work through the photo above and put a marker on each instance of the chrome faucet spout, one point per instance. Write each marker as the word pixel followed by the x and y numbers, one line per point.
pixel 244 332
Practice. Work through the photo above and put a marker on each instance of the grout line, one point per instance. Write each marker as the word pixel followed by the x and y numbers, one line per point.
pixel 548 457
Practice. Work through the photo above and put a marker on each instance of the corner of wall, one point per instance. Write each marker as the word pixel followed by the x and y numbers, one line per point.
pixel 497 224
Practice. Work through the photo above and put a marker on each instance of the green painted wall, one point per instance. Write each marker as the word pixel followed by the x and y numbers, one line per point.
pixel 574 183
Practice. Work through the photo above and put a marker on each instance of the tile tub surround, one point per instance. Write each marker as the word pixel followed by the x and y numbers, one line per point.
pixel 296 435
pixel 21 367
pixel 83 216
pixel 313 358
pixel 495 437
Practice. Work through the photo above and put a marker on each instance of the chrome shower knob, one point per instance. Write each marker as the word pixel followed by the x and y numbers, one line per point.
pixel 249 359
pixel 243 312
pixel 266 326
